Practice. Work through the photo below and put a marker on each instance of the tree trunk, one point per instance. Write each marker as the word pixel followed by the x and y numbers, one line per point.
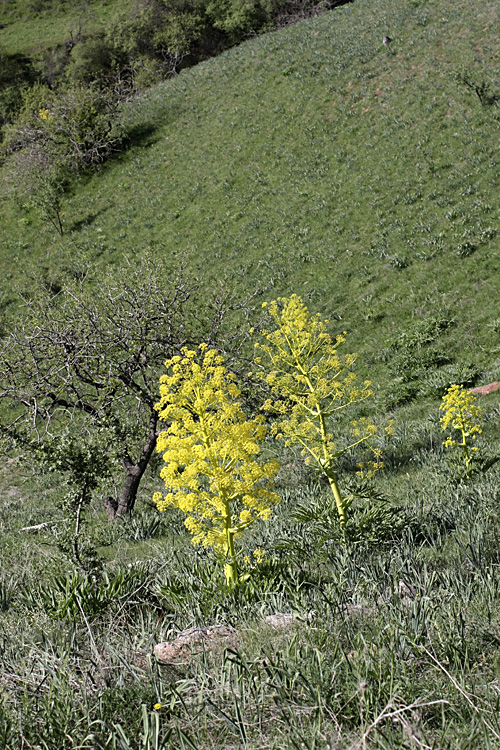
pixel 110 506
pixel 134 473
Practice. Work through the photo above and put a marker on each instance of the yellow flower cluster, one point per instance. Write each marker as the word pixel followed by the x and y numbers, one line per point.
pixel 310 383
pixel 305 368
pixel 258 555
pixel 462 412
pixel 45 114
pixel 363 429
pixel 210 449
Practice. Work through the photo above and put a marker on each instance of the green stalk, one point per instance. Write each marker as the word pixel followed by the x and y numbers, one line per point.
pixel 329 471
pixel 231 565
pixel 327 461
pixel 466 449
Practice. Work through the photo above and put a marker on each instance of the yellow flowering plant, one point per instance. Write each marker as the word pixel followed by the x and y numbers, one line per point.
pixel 463 414
pixel 311 384
pixel 211 452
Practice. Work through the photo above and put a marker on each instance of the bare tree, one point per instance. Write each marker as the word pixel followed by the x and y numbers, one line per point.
pixel 91 355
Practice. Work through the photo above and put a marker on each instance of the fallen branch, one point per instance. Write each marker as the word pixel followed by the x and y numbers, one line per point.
pixel 41 526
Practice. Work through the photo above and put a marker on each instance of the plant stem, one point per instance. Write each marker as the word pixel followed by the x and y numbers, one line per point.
pixel 329 471
pixel 466 449
pixel 327 461
pixel 231 565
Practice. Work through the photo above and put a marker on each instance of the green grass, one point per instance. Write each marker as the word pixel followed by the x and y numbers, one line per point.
pixel 35 34
pixel 396 644
pixel 309 161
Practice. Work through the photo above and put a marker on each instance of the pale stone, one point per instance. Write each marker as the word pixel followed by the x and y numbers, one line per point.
pixel 193 641
pixel 280 621
pixel 484 390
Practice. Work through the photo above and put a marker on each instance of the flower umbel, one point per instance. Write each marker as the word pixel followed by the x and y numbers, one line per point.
pixel 211 452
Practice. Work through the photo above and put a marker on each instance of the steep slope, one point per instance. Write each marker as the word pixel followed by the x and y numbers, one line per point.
pixel 313 160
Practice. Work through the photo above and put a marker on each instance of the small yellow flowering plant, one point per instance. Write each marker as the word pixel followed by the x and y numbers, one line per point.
pixel 311 385
pixel 211 452
pixel 463 414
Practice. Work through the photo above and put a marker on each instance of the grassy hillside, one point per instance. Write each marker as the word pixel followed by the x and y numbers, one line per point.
pixel 314 161
pixel 34 33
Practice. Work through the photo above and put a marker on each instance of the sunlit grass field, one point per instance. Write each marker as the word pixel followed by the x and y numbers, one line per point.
pixel 394 642
pixel 34 34
pixel 310 161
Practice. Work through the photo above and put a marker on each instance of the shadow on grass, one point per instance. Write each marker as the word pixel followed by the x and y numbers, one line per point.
pixel 140 135
pixel 87 221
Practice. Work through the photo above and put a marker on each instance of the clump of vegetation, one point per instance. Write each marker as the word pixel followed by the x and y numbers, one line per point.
pixel 54 137
pixel 463 415
pixel 17 74
pixel 477 81
pixel 84 360
pixel 211 449
pixel 141 45
pixel 312 385
pixel 416 361
pixel 61 117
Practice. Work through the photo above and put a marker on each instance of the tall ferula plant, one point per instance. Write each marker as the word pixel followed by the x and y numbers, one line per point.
pixel 211 452
pixel 462 414
pixel 311 384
